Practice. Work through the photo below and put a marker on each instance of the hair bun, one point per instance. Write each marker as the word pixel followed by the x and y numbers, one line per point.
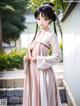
pixel 52 6
pixel 49 4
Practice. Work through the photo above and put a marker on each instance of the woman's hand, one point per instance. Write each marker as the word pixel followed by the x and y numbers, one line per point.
pixel 27 58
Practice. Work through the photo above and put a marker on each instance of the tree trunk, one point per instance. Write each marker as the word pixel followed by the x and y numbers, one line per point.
pixel 15 43
pixel 0 34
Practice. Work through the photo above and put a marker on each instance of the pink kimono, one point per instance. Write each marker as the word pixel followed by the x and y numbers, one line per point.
pixel 40 88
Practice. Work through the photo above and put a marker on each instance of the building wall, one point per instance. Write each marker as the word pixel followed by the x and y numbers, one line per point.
pixel 71 52
pixel 28 34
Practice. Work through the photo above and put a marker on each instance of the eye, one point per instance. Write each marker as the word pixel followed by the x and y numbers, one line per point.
pixel 38 18
pixel 46 19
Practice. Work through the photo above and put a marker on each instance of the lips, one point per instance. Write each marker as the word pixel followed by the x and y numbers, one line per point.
pixel 41 25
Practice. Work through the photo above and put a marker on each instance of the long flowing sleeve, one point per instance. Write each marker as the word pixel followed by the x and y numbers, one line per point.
pixel 44 62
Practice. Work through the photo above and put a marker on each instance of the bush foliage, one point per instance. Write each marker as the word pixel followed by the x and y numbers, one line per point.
pixel 12 60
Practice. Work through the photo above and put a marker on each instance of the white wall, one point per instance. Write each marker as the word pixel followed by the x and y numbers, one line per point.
pixel 28 34
pixel 71 52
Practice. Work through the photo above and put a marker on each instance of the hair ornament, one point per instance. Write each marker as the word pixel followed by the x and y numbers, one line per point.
pixel 47 5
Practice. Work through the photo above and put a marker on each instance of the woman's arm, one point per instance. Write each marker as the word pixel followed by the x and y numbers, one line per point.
pixel 44 62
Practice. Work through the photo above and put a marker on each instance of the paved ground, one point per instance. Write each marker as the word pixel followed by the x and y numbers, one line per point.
pixel 20 73
pixel 21 105
pixel 64 104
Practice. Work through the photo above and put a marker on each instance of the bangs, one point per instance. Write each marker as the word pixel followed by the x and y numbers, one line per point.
pixel 44 15
pixel 45 11
pixel 37 12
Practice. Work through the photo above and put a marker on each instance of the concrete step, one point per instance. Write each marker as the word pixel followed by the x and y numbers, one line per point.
pixel 16 78
pixel 21 105
pixel 64 104
pixel 15 95
pixel 62 92
pixel 15 105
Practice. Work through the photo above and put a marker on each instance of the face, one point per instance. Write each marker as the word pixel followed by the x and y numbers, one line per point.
pixel 43 22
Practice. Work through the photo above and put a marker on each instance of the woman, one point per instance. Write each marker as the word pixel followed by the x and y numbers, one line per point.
pixel 40 88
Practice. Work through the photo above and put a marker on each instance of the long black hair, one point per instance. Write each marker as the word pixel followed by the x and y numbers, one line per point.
pixel 57 19
pixel 47 12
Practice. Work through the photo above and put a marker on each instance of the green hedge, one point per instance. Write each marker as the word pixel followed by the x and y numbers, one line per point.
pixel 12 60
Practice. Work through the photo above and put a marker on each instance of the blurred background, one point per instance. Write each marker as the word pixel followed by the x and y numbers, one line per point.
pixel 17 29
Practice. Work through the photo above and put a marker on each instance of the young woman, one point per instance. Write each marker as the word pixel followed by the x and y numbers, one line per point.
pixel 40 88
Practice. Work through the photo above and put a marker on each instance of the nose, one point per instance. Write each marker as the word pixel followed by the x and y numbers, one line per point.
pixel 41 22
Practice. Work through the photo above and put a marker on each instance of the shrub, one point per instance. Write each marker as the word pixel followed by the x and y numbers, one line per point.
pixel 12 60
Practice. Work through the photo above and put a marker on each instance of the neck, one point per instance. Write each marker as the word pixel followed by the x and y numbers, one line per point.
pixel 45 30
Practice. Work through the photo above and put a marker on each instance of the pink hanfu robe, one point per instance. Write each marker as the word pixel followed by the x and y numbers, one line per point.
pixel 40 87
